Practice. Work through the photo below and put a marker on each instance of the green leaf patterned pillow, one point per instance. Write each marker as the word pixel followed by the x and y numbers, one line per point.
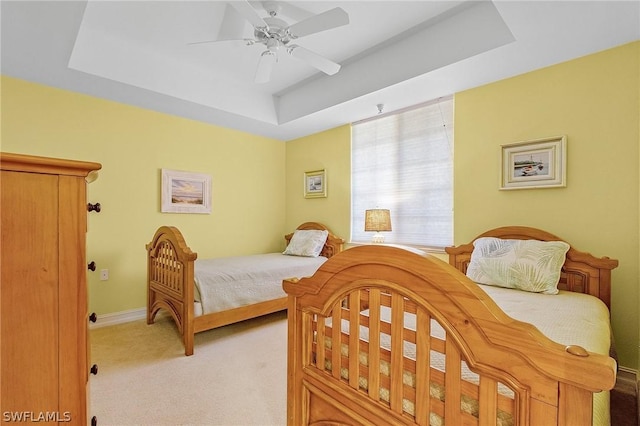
pixel 528 265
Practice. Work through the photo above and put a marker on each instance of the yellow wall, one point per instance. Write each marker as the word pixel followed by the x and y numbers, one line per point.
pixel 331 151
pixel 133 145
pixel 258 182
pixel 595 102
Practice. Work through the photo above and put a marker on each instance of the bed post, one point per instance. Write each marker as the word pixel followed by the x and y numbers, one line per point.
pixel 575 406
pixel 293 336
pixel 187 332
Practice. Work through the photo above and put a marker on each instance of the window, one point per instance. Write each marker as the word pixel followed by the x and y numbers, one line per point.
pixel 404 162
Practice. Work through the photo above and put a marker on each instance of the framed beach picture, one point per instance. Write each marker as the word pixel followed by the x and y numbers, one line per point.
pixel 315 184
pixel 185 192
pixel 540 163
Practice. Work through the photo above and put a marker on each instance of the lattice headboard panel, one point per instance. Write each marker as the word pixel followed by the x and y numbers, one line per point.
pixel 166 268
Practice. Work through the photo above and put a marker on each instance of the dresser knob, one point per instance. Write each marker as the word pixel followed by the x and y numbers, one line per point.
pixel 92 266
pixel 94 369
pixel 93 317
pixel 94 421
pixel 93 207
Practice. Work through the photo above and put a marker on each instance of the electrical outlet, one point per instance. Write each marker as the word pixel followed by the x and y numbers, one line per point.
pixel 104 274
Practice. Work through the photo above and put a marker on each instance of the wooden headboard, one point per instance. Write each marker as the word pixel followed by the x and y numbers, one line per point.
pixel 332 246
pixel 581 273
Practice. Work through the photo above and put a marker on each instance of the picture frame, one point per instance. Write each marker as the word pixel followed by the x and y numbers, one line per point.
pixel 315 184
pixel 185 192
pixel 540 163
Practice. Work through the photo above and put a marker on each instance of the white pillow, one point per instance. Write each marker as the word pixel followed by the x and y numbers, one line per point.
pixel 528 265
pixel 307 242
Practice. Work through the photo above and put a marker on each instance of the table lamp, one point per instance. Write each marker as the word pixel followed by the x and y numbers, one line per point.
pixel 377 220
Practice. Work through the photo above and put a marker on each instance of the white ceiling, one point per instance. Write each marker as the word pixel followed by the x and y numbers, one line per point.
pixel 398 53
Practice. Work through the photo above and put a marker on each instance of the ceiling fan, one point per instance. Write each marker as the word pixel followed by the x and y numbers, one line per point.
pixel 276 35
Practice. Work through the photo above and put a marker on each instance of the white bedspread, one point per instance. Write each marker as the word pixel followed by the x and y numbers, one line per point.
pixel 230 282
pixel 567 318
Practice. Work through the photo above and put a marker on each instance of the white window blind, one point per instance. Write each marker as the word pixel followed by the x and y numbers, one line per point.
pixel 404 162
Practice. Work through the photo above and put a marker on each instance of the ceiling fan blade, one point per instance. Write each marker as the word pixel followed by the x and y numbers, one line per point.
pixel 265 65
pixel 232 26
pixel 325 65
pixel 231 29
pixel 245 9
pixel 246 41
pixel 333 18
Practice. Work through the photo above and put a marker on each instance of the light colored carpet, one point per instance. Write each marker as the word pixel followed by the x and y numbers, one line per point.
pixel 237 375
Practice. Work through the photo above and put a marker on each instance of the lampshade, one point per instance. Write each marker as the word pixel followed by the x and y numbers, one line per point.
pixel 377 220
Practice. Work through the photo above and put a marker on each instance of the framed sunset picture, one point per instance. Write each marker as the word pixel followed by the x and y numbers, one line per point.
pixel 185 192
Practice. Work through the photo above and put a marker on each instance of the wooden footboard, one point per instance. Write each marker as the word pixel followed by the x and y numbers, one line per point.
pixel 170 281
pixel 385 365
pixel 170 284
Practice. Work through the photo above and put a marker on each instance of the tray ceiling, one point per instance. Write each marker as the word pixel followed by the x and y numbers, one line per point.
pixel 392 52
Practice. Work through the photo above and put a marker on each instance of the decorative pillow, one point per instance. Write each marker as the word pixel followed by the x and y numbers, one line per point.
pixel 528 265
pixel 308 242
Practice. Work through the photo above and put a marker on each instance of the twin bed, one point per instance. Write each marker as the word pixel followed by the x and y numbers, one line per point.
pixel 382 335
pixel 370 335
pixel 212 293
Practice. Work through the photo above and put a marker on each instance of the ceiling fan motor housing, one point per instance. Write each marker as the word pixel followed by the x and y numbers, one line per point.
pixel 277 31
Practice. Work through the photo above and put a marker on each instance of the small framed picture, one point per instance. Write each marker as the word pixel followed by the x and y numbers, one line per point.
pixel 185 192
pixel 540 163
pixel 315 184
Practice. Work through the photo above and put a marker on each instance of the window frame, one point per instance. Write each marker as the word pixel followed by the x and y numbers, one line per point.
pixel 422 137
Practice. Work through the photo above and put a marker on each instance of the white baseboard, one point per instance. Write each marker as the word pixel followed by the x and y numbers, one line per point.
pixel 627 380
pixel 105 320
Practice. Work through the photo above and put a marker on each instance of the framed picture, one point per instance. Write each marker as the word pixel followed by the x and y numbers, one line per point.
pixel 185 192
pixel 540 163
pixel 315 184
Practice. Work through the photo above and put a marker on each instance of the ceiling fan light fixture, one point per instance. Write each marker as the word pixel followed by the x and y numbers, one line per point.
pixel 273 44
pixel 265 66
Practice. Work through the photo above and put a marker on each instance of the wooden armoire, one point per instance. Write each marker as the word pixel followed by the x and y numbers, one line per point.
pixel 44 352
